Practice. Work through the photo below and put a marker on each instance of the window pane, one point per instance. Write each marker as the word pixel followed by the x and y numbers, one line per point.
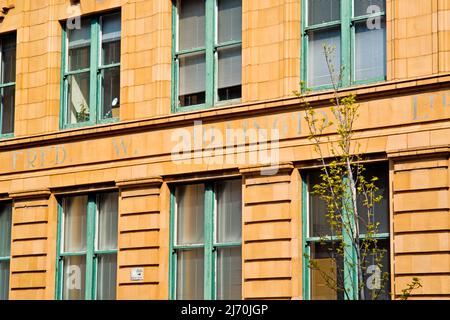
pixel 4 280
pixel 229 273
pixel 229 211
pixel 318 72
pixel 230 20
pixel 8 103
pixel 190 274
pixel 75 223
pixel 192 79
pixel 106 277
pixel 381 209
pixel 363 7
pixel 191 24
pixel 190 214
pixel 370 52
pixel 376 280
pixel 230 73
pixel 111 93
pixel 78 98
pixel 111 29
pixel 9 59
pixel 79 46
pixel 5 229
pixel 107 221
pixel 321 11
pixel 329 266
pixel 74 278
pixel 319 226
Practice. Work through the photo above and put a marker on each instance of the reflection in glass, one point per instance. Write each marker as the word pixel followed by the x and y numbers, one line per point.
pixel 107 221
pixel 190 273
pixel 229 273
pixel 78 98
pixel 4 280
pixel 74 209
pixel 190 214
pixel 229 211
pixel 74 278
pixel 321 11
pixel 106 277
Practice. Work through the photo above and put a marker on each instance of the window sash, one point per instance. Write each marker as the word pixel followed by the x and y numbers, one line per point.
pixel 4 85
pixel 211 64
pixel 348 58
pixel 96 66
pixel 91 253
pixel 210 246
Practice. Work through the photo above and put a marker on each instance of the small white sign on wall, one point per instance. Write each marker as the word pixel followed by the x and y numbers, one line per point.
pixel 137 274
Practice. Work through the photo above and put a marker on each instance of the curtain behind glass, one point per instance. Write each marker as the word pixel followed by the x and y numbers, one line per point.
pixel 106 277
pixel 107 221
pixel 229 20
pixel 5 229
pixel 361 7
pixel 190 214
pixel 229 273
pixel 191 24
pixel 229 211
pixel 321 11
pixel 74 278
pixel 190 274
pixel 75 215
pixel 4 280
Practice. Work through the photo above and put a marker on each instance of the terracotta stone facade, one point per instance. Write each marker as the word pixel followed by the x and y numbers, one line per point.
pixel 404 121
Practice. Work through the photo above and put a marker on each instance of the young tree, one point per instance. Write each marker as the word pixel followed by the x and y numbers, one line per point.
pixel 349 196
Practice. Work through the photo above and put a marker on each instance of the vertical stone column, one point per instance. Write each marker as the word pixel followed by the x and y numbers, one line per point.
pixel 421 221
pixel 139 238
pixel 271 233
pixel 32 265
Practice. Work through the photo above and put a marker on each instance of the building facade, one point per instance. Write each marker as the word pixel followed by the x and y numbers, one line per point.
pixel 154 149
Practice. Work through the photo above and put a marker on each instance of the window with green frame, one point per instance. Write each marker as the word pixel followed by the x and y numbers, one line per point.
pixel 357 31
pixel 7 84
pixel 5 247
pixel 316 228
pixel 206 240
pixel 207 53
pixel 90 89
pixel 87 247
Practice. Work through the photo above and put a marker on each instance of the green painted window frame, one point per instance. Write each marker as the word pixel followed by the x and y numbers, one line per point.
pixel 210 245
pixel 7 236
pixel 350 273
pixel 210 49
pixel 6 85
pixel 95 75
pixel 91 253
pixel 347 23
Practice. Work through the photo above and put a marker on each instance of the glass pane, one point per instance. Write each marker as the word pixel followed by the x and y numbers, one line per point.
pixel 192 79
pixel 106 277
pixel 111 93
pixel 230 73
pixel 9 59
pixel 107 221
pixel 376 273
pixel 190 275
pixel 229 273
pixel 74 278
pixel 190 213
pixel 111 29
pixel 230 20
pixel 79 46
pixel 4 280
pixel 318 72
pixel 5 229
pixel 381 209
pixel 229 211
pixel 191 24
pixel 75 223
pixel 8 109
pixel 78 98
pixel 364 7
pixel 327 273
pixel 370 51
pixel 321 11
pixel 319 226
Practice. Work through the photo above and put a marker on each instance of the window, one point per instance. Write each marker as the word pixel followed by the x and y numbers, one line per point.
pixel 7 84
pixel 324 253
pixel 206 241
pixel 5 247
pixel 357 31
pixel 91 71
pixel 87 247
pixel 207 53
